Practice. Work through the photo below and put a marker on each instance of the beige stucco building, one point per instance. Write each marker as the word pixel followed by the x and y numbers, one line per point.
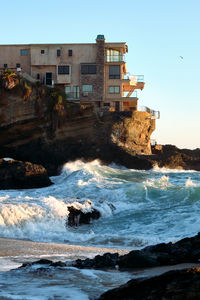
pixel 95 72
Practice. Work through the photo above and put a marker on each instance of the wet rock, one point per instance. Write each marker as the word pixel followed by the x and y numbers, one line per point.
pixel 172 157
pixel 58 264
pixel 108 260
pixel 38 262
pixel 184 251
pixel 22 175
pixel 82 214
pixel 179 284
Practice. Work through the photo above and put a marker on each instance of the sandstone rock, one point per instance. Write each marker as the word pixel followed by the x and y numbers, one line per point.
pixel 82 214
pixel 179 284
pixel 22 175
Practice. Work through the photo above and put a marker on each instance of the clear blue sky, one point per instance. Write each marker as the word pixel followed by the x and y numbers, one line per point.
pixel 157 33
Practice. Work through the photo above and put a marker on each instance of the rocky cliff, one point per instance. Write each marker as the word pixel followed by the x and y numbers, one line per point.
pixel 38 125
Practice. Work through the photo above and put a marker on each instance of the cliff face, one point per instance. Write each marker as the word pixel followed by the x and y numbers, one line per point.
pixel 32 129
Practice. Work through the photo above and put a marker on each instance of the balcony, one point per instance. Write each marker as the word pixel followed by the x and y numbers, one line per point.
pixel 114 58
pixel 133 82
pixel 133 96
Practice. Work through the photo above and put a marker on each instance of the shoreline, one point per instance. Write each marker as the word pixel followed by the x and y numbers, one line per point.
pixel 19 251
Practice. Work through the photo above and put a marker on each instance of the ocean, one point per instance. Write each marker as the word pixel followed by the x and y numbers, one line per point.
pixel 138 208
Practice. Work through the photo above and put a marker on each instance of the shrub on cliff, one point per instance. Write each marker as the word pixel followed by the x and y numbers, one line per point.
pixel 9 79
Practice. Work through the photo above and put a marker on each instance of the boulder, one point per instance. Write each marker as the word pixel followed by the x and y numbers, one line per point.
pixel 81 214
pixel 22 175
pixel 178 284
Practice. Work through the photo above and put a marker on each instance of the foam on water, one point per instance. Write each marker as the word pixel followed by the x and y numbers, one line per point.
pixel 137 208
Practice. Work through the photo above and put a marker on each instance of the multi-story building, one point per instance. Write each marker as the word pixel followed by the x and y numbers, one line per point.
pixel 88 73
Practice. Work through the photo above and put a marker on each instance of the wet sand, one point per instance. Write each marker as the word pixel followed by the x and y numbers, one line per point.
pixel 23 250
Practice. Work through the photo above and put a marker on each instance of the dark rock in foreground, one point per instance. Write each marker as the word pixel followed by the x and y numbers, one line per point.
pixel 78 216
pixel 184 251
pixel 22 175
pixel 45 262
pixel 179 285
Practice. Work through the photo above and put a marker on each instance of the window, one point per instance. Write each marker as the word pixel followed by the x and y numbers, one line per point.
pixel 106 104
pixel 114 72
pixel 63 70
pixel 42 51
pixel 17 65
pixel 70 52
pixel 5 66
pixel 87 88
pixel 58 52
pixel 24 52
pixel 88 69
pixel 113 55
pixel 38 76
pixel 68 89
pixel 114 89
pixel 76 91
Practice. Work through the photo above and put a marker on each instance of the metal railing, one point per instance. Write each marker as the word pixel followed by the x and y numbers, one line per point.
pixel 133 95
pixel 154 113
pixel 114 58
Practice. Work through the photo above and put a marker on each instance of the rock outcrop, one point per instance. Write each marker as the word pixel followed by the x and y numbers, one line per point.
pixel 35 127
pixel 179 284
pixel 172 157
pixel 83 214
pixel 22 175
pixel 184 251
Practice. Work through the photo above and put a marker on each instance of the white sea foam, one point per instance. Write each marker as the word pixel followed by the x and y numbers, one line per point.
pixel 190 183
pixel 166 170
pixel 157 203
pixel 4 197
pixel 162 182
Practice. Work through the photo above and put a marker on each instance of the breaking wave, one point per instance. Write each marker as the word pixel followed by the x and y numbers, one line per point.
pixel 137 208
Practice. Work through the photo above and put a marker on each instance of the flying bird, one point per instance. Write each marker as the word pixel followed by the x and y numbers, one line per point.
pixel 181 57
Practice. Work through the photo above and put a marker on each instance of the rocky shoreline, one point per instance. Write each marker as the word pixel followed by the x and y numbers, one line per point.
pixel 176 284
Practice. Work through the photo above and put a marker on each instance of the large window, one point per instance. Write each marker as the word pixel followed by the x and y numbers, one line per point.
pixel 113 55
pixel 88 69
pixel 114 72
pixel 24 52
pixel 114 89
pixel 87 88
pixel 58 52
pixel 63 70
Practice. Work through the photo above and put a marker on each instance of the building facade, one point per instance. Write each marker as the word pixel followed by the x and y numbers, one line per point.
pixel 90 73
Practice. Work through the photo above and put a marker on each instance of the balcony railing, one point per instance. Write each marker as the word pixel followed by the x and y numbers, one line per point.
pixel 133 95
pixel 135 78
pixel 114 58
pixel 154 113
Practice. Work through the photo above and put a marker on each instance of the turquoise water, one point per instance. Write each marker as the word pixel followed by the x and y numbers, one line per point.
pixel 138 208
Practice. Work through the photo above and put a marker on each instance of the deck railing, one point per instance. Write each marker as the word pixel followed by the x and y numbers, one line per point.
pixel 114 58
pixel 154 113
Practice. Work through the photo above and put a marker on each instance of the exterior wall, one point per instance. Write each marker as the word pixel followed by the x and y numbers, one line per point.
pixel 10 55
pixel 42 70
